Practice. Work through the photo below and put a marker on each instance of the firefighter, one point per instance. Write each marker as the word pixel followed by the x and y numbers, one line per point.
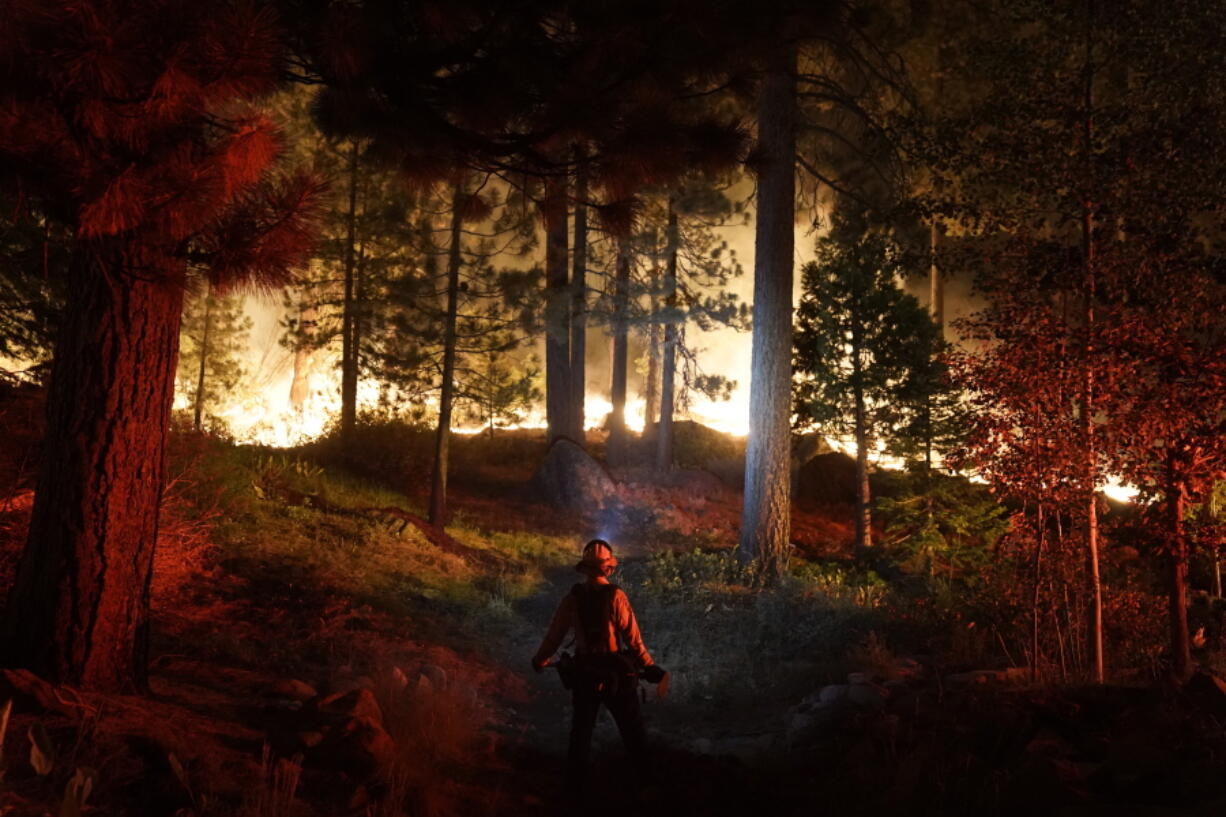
pixel 609 659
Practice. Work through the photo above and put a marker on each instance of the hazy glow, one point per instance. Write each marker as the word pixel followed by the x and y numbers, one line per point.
pixel 1120 491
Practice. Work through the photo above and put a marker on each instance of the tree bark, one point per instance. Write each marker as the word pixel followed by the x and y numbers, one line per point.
pixel 1181 644
pixel 300 386
pixel 78 611
pixel 578 312
pixel 1035 593
pixel 1087 402
pixel 936 307
pixel 618 442
pixel 765 517
pixel 864 500
pixel 442 433
pixel 349 369
pixel 557 312
pixel 668 372
pixel 936 285
pixel 204 355
pixel 655 340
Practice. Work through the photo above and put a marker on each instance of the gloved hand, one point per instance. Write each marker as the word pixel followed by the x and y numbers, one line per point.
pixel 539 664
pixel 653 674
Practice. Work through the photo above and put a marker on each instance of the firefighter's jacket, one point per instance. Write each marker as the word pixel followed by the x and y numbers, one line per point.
pixel 621 625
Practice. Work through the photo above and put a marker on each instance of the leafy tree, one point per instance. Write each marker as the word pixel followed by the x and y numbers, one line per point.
pixel 1082 168
pixel 129 126
pixel 1170 435
pixel 863 349
pixel 212 339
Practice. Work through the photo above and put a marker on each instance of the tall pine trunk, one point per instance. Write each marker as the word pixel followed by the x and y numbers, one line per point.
pixel 1181 645
pixel 349 357
pixel 936 285
pixel 618 442
pixel 655 340
pixel 765 518
pixel 864 500
pixel 1087 385
pixel 442 433
pixel 578 310
pixel 198 420
pixel 936 309
pixel 668 371
pixel 78 611
pixel 557 312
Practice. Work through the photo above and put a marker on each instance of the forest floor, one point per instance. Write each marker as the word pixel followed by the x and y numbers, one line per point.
pixel 319 650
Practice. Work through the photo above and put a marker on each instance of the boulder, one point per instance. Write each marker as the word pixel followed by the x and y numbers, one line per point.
pixel 831 693
pixel 291 689
pixel 827 479
pixel 434 676
pixel 867 696
pixel 344 706
pixel 1207 691
pixel 570 479
pixel 361 748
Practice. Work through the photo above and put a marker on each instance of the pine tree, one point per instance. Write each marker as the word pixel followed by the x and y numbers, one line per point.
pixel 129 124
pixel 863 349
pixel 212 340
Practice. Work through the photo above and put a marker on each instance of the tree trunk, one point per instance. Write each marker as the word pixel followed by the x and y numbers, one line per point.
pixel 204 355
pixel 300 386
pixel 618 442
pixel 442 433
pixel 1217 547
pixel 578 312
pixel 557 312
pixel 1181 645
pixel 936 306
pixel 864 499
pixel 668 373
pixel 349 369
pixel 765 517
pixel 655 340
pixel 1087 402
pixel 936 285
pixel 1034 596
pixel 78 611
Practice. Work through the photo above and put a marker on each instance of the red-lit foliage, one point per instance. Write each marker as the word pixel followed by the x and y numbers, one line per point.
pixel 130 124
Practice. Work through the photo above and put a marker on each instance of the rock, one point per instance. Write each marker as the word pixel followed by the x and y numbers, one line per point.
pixel 292 689
pixel 344 706
pixel 832 693
pixel 1207 691
pixel 857 678
pixel 979 676
pixel 435 675
pixel 309 740
pixel 31 693
pixel 906 669
pixel 867 696
pixel 827 479
pixel 570 479
pixel 398 680
pixel 361 749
